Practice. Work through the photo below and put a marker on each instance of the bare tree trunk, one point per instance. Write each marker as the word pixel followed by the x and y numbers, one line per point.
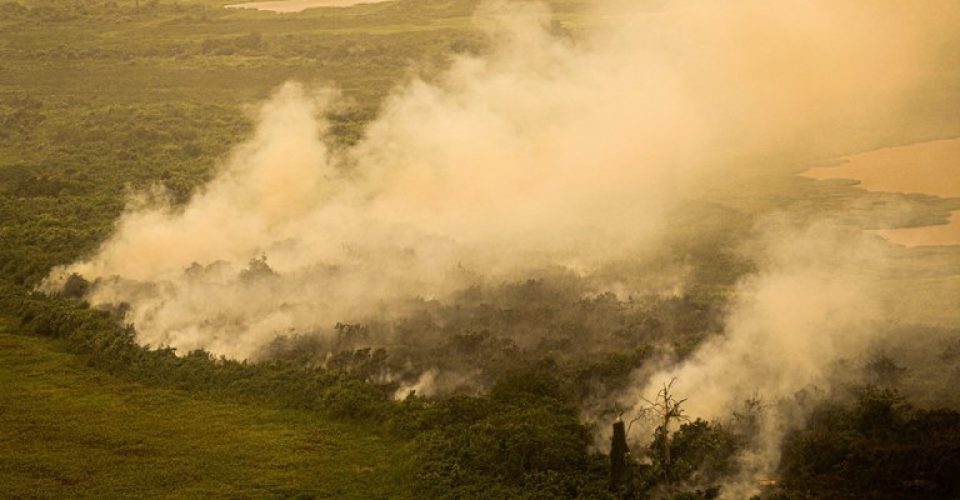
pixel 666 444
pixel 619 472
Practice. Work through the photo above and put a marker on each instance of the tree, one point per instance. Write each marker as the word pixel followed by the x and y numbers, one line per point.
pixel 668 410
pixel 258 269
pixel 883 370
pixel 75 287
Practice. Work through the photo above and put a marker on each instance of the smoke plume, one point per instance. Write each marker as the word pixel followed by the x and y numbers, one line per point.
pixel 812 305
pixel 545 151
pixel 548 151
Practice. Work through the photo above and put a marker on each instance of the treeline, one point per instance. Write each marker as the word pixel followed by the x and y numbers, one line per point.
pixel 594 341
pixel 525 433
pixel 523 437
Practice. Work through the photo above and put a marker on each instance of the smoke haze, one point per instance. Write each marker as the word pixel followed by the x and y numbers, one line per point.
pixel 549 151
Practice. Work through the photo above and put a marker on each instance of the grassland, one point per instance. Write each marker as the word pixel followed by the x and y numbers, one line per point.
pixel 67 430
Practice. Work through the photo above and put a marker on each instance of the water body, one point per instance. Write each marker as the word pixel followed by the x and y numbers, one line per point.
pixel 927 167
pixel 287 6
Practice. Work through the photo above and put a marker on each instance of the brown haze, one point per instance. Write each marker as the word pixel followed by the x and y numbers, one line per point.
pixel 546 152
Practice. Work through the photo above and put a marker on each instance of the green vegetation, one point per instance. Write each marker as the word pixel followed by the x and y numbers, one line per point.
pixel 874 446
pixel 98 97
pixel 101 97
pixel 524 436
pixel 67 430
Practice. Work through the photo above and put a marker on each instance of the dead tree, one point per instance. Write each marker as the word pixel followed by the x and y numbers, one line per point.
pixel 667 409
pixel 619 471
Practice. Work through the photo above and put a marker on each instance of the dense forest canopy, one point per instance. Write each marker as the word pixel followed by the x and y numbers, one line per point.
pixel 491 230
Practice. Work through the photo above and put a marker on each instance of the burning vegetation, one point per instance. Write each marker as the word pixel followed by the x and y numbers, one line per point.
pixel 569 257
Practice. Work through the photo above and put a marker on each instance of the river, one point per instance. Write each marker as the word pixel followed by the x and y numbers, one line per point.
pixel 928 167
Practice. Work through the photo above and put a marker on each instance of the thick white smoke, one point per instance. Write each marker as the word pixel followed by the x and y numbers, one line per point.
pixel 813 303
pixel 546 151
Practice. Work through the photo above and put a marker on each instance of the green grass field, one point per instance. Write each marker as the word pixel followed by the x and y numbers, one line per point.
pixel 67 431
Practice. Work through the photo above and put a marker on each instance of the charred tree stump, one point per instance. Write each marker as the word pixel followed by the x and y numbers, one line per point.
pixel 619 470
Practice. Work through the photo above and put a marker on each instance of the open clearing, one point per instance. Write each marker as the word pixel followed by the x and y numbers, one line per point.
pixel 70 431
